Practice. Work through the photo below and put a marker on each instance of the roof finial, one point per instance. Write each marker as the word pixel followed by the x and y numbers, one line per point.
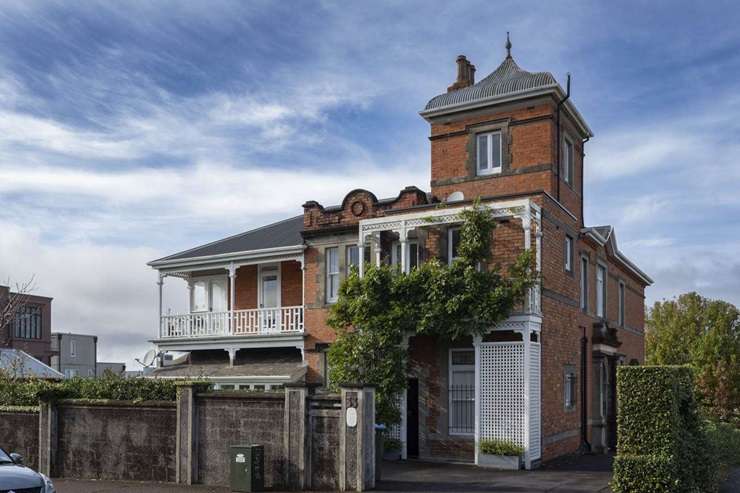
pixel 508 45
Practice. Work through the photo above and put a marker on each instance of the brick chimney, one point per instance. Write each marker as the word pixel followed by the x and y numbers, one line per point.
pixel 465 74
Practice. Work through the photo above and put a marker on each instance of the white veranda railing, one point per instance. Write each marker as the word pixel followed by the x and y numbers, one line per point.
pixel 255 321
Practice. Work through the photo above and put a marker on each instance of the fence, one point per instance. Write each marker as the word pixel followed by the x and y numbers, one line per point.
pixel 308 442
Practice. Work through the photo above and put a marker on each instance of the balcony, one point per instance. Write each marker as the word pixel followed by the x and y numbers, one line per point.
pixel 286 320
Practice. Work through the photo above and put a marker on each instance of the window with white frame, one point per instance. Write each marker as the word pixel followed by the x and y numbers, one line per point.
pixel 461 391
pixel 73 348
pixel 332 274
pixel 600 291
pixel 568 253
pixel 621 303
pixel 352 254
pixel 488 151
pixel 209 294
pixel 412 254
pixel 569 387
pixel 568 163
pixel 584 284
pixel 453 242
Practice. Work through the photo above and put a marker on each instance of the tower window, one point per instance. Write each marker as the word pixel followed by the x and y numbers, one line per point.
pixel 568 165
pixel 489 153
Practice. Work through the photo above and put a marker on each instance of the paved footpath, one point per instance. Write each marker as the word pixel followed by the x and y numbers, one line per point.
pixel 588 476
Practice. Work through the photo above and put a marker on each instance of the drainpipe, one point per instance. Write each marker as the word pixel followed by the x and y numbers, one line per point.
pixel 583 174
pixel 559 150
pixel 584 447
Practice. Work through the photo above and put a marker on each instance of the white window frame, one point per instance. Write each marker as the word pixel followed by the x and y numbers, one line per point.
pixel 622 294
pixel 450 258
pixel 584 284
pixel 347 264
pixel 209 291
pixel 568 160
pixel 570 390
pixel 395 247
pixel 329 274
pixel 490 169
pixel 450 371
pixel 72 348
pixel 601 290
pixel 261 269
pixel 568 253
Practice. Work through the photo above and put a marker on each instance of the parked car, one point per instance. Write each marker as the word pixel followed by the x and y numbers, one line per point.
pixel 14 476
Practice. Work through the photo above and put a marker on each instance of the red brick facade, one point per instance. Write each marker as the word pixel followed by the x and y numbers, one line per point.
pixel 529 170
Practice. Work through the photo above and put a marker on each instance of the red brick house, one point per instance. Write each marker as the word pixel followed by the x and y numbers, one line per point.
pixel 29 328
pixel 544 378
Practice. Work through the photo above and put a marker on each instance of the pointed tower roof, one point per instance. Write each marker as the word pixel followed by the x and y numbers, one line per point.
pixel 508 82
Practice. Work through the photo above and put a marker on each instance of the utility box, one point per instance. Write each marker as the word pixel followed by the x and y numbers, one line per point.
pixel 247 466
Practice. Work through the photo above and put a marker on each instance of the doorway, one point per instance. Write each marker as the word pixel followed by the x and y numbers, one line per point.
pixel 412 418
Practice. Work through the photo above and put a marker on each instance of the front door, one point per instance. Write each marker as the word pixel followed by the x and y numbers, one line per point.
pixel 269 298
pixel 412 418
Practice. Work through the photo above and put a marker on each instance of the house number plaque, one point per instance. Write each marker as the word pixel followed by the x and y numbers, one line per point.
pixel 351 417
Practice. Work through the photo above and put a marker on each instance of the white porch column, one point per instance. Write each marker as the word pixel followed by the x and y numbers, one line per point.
pixel 476 345
pixel 403 238
pixel 403 432
pixel 526 336
pixel 160 285
pixel 232 295
pixel 378 252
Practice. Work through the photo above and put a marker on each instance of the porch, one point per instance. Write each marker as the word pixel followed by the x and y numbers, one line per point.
pixel 244 303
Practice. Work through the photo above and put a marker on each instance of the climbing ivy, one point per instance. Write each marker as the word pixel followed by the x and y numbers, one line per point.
pixel 375 312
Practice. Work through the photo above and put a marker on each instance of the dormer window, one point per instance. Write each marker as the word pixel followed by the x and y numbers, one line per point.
pixel 568 164
pixel 489 153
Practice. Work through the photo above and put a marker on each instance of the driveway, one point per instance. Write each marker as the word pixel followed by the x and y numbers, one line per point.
pixel 585 475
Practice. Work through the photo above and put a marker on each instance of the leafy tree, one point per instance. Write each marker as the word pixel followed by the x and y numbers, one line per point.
pixel 705 334
pixel 374 313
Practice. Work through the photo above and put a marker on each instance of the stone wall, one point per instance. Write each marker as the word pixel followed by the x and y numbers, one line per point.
pixel 238 418
pixel 116 441
pixel 307 442
pixel 19 432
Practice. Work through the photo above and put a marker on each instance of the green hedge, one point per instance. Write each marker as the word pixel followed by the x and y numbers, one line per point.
pixel 27 392
pixel 661 445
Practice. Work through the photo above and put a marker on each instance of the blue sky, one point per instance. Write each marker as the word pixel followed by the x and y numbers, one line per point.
pixel 132 130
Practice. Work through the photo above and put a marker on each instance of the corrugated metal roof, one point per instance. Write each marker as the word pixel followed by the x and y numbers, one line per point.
pixel 23 365
pixel 507 79
pixel 280 234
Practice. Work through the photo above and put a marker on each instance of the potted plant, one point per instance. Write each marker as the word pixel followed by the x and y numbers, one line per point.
pixel 500 454
pixel 391 448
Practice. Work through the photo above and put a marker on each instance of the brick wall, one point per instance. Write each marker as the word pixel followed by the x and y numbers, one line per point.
pixel 117 441
pixel 19 432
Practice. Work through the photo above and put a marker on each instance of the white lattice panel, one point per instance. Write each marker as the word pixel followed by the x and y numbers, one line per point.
pixel 502 391
pixel 394 431
pixel 534 402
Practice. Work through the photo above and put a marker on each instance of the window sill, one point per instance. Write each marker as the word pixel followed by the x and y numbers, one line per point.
pixel 494 171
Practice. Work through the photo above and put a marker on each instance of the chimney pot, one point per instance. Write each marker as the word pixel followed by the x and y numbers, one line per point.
pixel 465 74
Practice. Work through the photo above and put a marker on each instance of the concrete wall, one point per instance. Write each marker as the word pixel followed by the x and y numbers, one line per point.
pixel 116 440
pixel 238 418
pixel 19 432
pixel 307 442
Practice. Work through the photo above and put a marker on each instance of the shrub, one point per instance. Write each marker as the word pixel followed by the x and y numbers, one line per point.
pixel 662 446
pixel 500 447
pixel 391 444
pixel 725 441
pixel 27 392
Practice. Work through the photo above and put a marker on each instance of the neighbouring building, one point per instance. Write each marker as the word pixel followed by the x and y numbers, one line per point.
pixel 115 368
pixel 544 378
pixel 76 354
pixel 29 328
pixel 20 364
